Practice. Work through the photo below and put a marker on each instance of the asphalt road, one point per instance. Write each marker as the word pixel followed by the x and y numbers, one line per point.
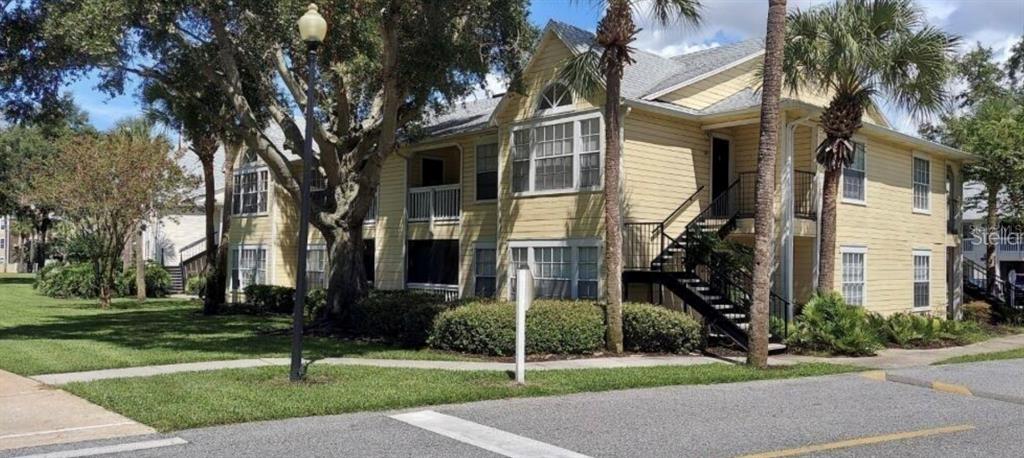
pixel 847 415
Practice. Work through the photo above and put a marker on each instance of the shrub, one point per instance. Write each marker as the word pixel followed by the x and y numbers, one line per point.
pixel 158 281
pixel 652 328
pixel 196 286
pixel 562 327
pixel 909 331
pixel 828 324
pixel 403 316
pixel 978 312
pixel 260 299
pixel 315 301
pixel 67 280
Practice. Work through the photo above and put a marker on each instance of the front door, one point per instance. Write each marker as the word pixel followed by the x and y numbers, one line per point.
pixel 719 171
pixel 433 172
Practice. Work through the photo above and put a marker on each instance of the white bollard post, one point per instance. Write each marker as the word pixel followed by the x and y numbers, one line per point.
pixel 524 298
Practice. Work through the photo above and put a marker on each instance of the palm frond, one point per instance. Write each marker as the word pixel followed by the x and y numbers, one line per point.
pixel 666 12
pixel 582 73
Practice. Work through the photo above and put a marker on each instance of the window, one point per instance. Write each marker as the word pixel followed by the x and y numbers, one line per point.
pixel 248 267
pixel 554 96
pixel 369 255
pixel 250 193
pixel 559 156
pixel 371 214
pixel 922 278
pixel 487 171
pixel 561 269
pixel 316 267
pixel 2 242
pixel 922 184
pixel 590 153
pixel 485 275
pixel 854 176
pixel 854 284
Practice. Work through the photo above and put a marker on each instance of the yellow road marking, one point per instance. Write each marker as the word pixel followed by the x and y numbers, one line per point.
pixel 951 388
pixel 862 441
pixel 874 375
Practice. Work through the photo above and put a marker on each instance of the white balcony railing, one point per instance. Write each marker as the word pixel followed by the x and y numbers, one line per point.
pixel 435 203
pixel 450 292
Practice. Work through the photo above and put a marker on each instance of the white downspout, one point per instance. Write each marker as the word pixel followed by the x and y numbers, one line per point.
pixel 788 214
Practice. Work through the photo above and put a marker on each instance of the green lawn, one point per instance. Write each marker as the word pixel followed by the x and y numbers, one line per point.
pixel 40 335
pixel 1007 354
pixel 189 400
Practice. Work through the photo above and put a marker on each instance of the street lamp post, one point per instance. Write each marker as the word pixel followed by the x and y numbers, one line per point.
pixel 312 29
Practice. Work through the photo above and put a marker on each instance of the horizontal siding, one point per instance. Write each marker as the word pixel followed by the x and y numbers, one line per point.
pixel 713 89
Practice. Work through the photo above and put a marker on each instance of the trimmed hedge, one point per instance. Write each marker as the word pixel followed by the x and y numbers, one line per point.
pixel 260 299
pixel 403 316
pixel 560 327
pixel 656 329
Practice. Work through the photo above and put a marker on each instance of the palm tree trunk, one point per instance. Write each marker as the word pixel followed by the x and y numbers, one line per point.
pixel 764 214
pixel 612 216
pixel 992 228
pixel 206 156
pixel 827 249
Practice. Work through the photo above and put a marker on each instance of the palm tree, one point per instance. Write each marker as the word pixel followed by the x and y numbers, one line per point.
pixel 605 63
pixel 855 50
pixel 764 213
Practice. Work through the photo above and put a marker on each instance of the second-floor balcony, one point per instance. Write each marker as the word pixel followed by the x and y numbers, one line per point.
pixel 434 190
pixel 804 195
pixel 435 203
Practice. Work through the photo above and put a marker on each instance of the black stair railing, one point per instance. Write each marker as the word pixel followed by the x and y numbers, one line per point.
pixel 976 281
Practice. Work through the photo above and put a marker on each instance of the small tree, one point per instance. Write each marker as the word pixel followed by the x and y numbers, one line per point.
pixel 106 185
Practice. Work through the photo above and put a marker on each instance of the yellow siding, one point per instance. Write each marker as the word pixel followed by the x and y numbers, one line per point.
pixel 390 228
pixel 890 229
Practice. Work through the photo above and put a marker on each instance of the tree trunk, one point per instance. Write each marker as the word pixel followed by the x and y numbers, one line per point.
pixel 612 216
pixel 106 280
pixel 764 214
pixel 140 266
pixel 206 152
pixel 347 276
pixel 827 250
pixel 991 228
pixel 216 280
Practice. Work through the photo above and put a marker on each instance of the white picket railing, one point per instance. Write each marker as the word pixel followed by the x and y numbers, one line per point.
pixel 450 292
pixel 435 203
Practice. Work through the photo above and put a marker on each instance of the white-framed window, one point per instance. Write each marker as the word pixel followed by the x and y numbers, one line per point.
pixel 250 193
pixel 487 172
pixel 922 278
pixel 248 266
pixel 556 95
pixel 485 266
pixel 316 266
pixel 855 176
pixel 562 269
pixel 922 184
pixel 554 156
pixel 854 264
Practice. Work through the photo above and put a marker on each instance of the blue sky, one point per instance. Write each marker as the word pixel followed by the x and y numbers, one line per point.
pixel 995 23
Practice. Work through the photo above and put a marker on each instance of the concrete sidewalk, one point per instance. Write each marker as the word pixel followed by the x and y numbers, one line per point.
pixel 898 358
pixel 589 363
pixel 34 414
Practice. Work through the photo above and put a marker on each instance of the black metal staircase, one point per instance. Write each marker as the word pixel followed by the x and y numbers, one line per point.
pixel 976 286
pixel 703 272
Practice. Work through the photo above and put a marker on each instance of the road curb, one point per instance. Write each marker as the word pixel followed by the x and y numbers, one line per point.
pixel 942 387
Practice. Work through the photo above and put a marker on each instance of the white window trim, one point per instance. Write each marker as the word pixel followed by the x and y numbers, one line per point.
pixel 913 183
pixel 476 170
pixel 842 177
pixel 554 110
pixel 573 259
pixel 497 261
pixel 913 281
pixel 576 147
pixel 266 269
pixel 254 168
pixel 855 249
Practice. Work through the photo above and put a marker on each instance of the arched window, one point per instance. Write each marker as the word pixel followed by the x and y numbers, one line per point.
pixel 554 96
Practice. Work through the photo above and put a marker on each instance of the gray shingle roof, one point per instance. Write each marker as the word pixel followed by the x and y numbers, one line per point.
pixel 649 74
pixel 745 98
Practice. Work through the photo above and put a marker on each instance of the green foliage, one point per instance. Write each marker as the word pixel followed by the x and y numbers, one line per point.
pixel 261 299
pixel 560 327
pixel 652 328
pixel 67 280
pixel 196 286
pixel 829 325
pixel 158 281
pixel 912 331
pixel 315 302
pixel 402 317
